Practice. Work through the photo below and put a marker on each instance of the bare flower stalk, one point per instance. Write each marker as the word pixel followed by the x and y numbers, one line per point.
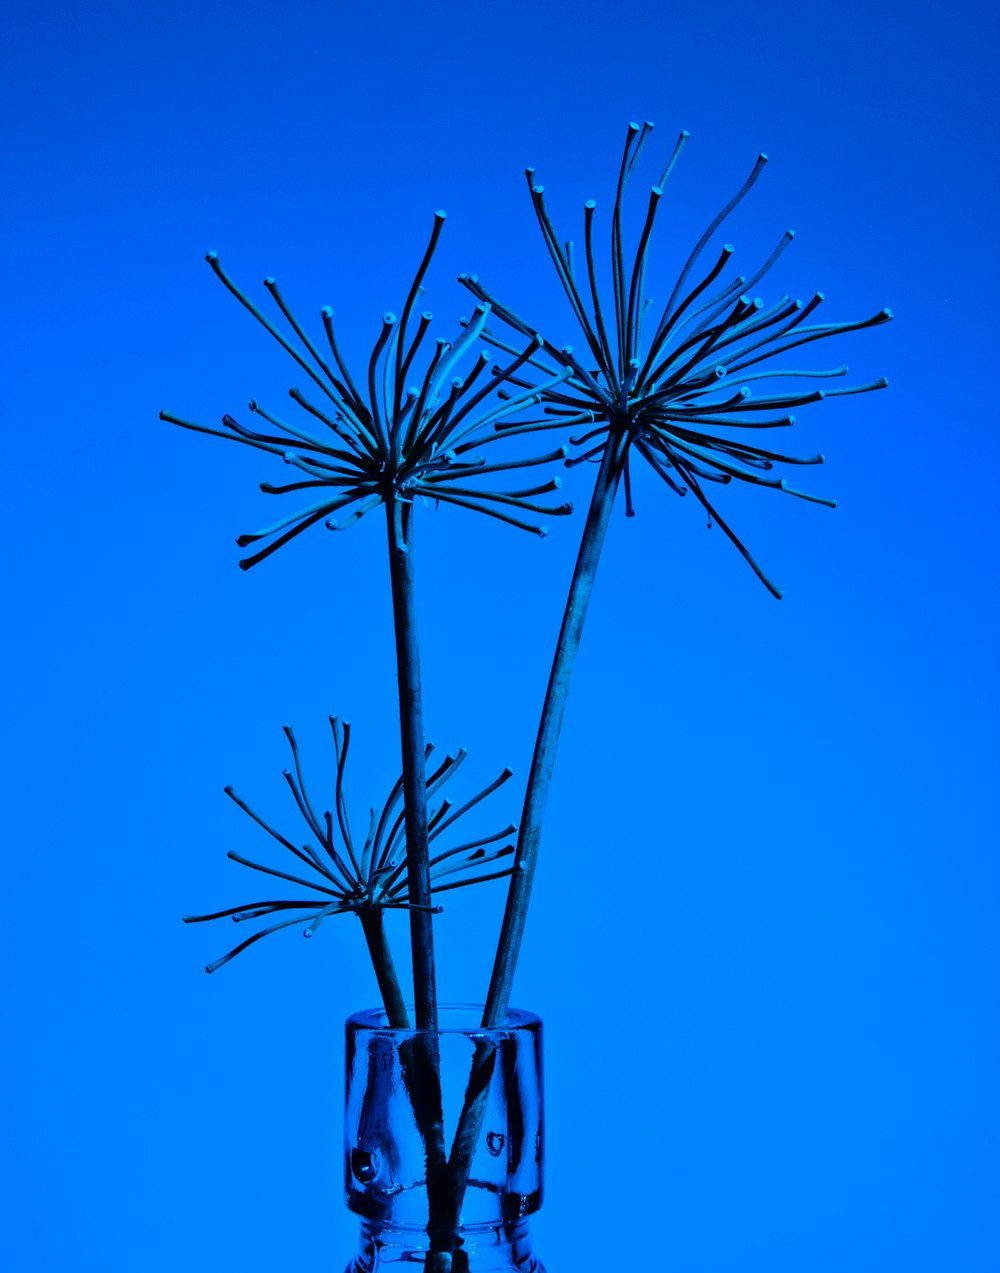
pixel 385 969
pixel 411 729
pixel 549 727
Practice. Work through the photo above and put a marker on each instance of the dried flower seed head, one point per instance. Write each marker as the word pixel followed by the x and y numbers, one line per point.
pixel 675 395
pixel 346 874
pixel 398 439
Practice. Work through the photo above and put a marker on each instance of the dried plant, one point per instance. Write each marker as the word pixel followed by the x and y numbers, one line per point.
pixel 674 399
pixel 677 395
pixel 400 441
pixel 365 879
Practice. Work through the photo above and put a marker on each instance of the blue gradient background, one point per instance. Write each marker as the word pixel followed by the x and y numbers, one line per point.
pixel 763 937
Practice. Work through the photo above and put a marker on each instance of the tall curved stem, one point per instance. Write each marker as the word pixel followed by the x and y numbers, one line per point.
pixel 529 837
pixel 553 711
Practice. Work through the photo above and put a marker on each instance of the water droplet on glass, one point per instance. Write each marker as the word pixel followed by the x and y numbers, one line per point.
pixel 494 1142
pixel 364 1165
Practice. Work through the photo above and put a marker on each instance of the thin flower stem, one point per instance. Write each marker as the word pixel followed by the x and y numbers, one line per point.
pixel 553 711
pixel 400 523
pixel 529 837
pixel 444 1256
pixel 422 1075
pixel 385 969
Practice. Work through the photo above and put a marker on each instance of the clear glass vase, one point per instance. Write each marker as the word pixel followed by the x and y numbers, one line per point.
pixel 443 1142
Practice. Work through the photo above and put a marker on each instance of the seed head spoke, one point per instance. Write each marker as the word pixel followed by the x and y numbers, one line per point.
pixel 687 473
pixel 255 937
pixel 473 845
pixel 699 246
pixel 426 318
pixel 478 879
pixel 562 264
pixel 281 875
pixel 275 291
pixel 411 299
pixel 247 562
pixel 355 400
pixel 275 448
pixel 213 260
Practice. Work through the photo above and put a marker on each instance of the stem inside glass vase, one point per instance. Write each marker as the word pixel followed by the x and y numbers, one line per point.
pixel 461 1204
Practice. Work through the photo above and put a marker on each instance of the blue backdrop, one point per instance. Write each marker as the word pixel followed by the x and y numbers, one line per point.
pixel 763 937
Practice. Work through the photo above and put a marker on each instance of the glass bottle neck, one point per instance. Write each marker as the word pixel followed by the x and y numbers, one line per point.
pixel 480 1248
